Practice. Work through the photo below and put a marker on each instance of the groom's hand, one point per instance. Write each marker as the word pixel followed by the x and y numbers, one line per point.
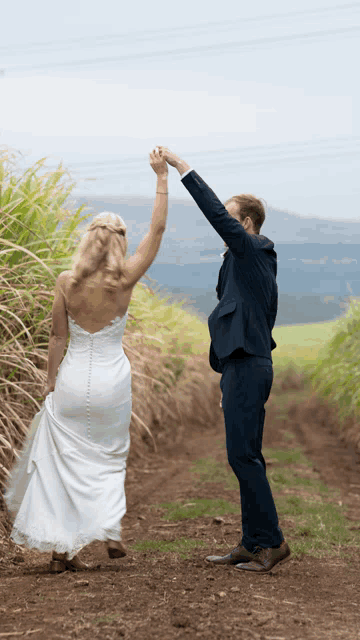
pixel 174 160
pixel 170 157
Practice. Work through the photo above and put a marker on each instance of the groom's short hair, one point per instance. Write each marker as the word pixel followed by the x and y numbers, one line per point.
pixel 250 206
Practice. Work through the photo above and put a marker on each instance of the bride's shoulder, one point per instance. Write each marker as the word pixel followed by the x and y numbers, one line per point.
pixel 65 275
pixel 64 278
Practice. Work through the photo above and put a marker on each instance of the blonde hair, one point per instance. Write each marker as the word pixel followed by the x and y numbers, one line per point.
pixel 250 206
pixel 103 248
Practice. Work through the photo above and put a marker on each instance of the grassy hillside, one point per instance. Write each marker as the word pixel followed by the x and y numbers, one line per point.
pixel 300 345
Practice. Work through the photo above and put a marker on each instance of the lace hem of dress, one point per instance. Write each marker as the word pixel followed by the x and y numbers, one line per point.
pixel 34 540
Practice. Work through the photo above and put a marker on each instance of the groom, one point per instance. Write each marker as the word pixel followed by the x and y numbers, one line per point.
pixel 241 343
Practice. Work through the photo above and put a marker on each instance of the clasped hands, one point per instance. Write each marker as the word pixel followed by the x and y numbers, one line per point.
pixel 161 156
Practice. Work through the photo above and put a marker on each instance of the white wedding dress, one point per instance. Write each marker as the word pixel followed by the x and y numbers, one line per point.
pixel 67 488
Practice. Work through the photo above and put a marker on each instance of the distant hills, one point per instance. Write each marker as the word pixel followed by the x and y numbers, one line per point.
pixel 318 260
pixel 190 239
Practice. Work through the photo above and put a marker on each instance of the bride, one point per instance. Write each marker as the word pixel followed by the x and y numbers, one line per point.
pixel 67 488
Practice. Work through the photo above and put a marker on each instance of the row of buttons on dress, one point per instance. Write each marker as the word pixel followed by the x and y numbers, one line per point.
pixel 88 386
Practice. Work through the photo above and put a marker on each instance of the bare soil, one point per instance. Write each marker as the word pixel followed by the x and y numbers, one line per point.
pixel 162 595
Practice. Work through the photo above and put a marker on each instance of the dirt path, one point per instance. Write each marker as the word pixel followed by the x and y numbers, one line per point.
pixel 166 590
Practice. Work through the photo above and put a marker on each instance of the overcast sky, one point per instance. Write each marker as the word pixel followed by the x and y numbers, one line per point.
pixel 258 97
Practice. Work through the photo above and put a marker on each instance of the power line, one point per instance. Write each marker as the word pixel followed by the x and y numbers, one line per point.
pixel 208 49
pixel 269 162
pixel 264 151
pixel 172 31
pixel 269 155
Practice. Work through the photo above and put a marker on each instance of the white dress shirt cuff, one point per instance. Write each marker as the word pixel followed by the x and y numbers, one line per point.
pixel 185 174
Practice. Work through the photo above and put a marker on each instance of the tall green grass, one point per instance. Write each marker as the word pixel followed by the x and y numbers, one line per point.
pixel 336 375
pixel 37 235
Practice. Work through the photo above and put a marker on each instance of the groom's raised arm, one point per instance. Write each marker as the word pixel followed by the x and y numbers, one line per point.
pixel 230 230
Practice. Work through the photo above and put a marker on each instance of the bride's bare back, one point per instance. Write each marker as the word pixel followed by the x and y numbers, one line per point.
pixel 91 306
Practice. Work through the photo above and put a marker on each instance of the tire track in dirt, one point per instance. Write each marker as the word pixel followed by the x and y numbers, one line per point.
pixel 337 461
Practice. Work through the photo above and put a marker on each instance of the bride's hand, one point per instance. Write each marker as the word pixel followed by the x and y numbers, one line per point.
pixel 157 162
pixel 49 386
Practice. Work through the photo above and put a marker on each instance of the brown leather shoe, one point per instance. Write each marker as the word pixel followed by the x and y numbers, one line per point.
pixel 266 559
pixel 60 563
pixel 75 564
pixel 239 554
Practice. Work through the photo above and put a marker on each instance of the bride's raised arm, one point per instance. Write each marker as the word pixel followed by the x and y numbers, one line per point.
pixel 137 265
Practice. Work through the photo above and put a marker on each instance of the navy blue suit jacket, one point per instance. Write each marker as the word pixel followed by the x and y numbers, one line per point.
pixel 247 289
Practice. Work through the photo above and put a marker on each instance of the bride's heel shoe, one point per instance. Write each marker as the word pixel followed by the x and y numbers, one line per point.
pixel 57 564
pixel 115 549
pixel 57 567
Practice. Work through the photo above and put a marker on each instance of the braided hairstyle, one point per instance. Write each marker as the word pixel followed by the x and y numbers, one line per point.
pixel 102 248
